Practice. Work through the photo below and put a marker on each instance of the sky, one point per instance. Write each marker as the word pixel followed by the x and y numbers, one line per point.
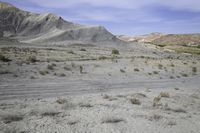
pixel 127 17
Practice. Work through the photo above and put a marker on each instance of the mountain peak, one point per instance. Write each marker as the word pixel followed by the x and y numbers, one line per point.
pixel 4 5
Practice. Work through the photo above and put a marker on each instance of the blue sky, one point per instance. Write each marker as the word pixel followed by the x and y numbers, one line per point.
pixel 130 17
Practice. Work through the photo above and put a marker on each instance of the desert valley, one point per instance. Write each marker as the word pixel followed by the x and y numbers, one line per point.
pixel 61 77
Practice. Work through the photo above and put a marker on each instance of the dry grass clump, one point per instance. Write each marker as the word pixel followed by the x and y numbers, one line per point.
pixel 61 100
pixel 135 101
pixel 156 101
pixel 164 94
pixel 112 120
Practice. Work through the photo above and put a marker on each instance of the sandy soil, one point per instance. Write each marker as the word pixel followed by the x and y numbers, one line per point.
pixel 88 89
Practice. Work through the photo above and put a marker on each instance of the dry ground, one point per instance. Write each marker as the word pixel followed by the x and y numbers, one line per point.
pixel 88 89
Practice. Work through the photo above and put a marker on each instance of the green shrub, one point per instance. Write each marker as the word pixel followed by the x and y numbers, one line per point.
pixel 4 59
pixel 115 51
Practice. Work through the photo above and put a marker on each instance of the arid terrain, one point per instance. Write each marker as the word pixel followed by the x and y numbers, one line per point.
pixel 97 86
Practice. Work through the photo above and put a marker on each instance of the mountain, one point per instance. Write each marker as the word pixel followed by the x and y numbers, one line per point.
pixel 178 39
pixel 48 28
pixel 142 38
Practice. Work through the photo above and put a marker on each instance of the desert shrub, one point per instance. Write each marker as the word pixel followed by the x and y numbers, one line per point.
pixel 112 120
pixel 4 59
pixel 156 101
pixel 155 72
pixel 164 94
pixel 50 67
pixel 106 96
pixel 136 70
pixel 115 51
pixel 72 122
pixel 160 66
pixel 32 59
pixel 184 74
pixel 176 88
pixel 5 72
pixel 85 105
pixel 138 95
pixel 81 69
pixel 44 72
pixel 155 117
pixel 172 65
pixel 32 77
pixel 122 71
pixel 67 68
pixel 71 52
pixel 82 49
pixel 103 58
pixel 73 65
pixel 62 75
pixel 8 118
pixel 194 70
pixel 135 101
pixel 179 110
pixel 50 113
pixel 172 123
pixel 61 100
pixel 149 73
pixel 110 98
